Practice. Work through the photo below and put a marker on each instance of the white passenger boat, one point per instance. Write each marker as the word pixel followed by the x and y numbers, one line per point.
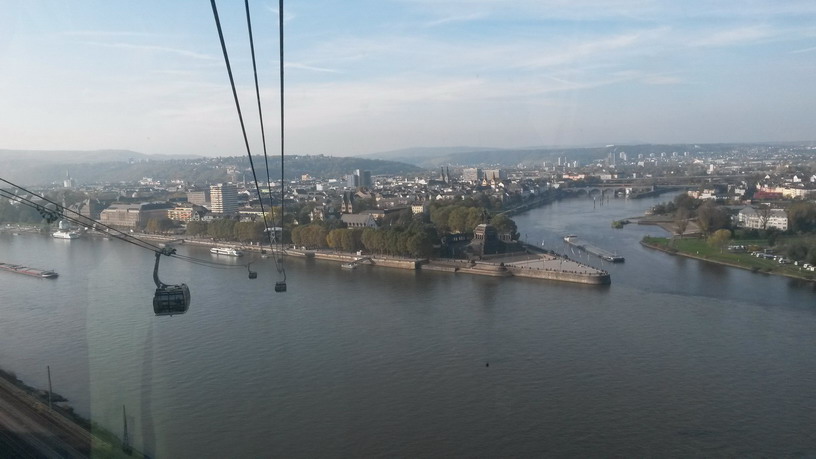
pixel 226 251
pixel 64 231
pixel 66 234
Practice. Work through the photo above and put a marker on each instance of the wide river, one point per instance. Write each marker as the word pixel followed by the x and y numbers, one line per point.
pixel 676 358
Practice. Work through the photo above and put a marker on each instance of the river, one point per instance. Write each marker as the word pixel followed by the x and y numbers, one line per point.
pixel 677 357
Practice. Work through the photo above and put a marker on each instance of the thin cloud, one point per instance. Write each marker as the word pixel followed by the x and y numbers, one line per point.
pixel 804 50
pixel 733 37
pixel 297 65
pixel 583 50
pixel 658 80
pixel 109 33
pixel 153 48
pixel 287 16
pixel 551 9
pixel 456 18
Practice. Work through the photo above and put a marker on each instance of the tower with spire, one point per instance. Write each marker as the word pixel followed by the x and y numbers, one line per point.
pixel 68 182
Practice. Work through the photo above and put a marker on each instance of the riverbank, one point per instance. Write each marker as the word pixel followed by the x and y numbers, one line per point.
pixel 735 260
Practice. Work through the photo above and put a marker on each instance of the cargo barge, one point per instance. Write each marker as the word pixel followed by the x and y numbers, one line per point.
pixel 33 272
pixel 597 251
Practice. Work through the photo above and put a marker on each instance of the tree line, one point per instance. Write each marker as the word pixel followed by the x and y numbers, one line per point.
pixel 415 240
pixel 401 233
pixel 228 230
pixel 453 218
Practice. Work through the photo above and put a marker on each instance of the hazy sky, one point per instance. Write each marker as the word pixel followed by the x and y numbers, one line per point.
pixel 367 76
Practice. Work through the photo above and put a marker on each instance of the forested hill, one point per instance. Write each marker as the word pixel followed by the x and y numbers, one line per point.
pixel 35 169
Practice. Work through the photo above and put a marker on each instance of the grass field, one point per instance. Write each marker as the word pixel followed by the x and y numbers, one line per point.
pixel 699 248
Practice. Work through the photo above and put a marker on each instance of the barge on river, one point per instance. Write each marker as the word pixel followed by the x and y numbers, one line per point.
pixel 574 241
pixel 33 272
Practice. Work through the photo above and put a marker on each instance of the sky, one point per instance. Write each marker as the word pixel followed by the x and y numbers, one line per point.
pixel 365 76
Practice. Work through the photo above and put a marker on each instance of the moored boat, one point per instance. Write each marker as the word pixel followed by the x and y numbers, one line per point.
pixel 66 234
pixel 64 231
pixel 226 251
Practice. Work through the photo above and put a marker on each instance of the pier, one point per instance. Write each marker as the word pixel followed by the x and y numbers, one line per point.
pixel 355 263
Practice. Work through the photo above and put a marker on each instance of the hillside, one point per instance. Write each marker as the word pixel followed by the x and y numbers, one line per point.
pixel 43 168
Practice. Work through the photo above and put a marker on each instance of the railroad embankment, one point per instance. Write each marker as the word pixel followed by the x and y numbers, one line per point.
pixel 40 431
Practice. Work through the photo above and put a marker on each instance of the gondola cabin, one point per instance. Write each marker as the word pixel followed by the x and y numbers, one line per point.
pixel 171 299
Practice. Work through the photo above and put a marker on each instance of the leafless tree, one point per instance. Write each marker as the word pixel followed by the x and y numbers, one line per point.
pixel 764 214
pixel 681 221
pixel 711 217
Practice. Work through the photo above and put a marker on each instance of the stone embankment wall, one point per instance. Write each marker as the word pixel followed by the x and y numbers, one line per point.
pixel 463 266
pixel 388 262
pixel 560 275
pixel 400 263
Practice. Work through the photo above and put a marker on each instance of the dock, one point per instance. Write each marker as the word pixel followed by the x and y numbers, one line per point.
pixel 606 255
pixel 356 262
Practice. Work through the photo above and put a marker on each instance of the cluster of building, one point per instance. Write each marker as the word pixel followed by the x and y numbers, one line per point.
pixel 773 174
pixel 359 200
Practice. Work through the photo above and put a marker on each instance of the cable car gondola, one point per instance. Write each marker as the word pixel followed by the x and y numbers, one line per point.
pixel 169 299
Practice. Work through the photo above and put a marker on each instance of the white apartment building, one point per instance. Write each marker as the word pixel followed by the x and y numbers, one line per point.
pixel 750 218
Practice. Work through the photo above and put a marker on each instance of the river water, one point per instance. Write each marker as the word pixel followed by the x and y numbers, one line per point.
pixel 677 357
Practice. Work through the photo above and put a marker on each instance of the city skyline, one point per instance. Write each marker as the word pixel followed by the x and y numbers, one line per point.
pixel 373 76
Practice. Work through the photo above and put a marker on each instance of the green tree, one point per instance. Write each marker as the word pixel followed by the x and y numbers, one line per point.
pixel 297 235
pixel 505 224
pixel 8 212
pixel 798 250
pixel 802 217
pixel 158 225
pixel 195 228
pixel 314 235
pixel 684 201
pixel 222 229
pixel 248 231
pixel 475 216
pixel 335 238
pixel 458 220
pixel 720 238
pixel 351 240
pixel 372 239
pixel 440 215
pixel 420 244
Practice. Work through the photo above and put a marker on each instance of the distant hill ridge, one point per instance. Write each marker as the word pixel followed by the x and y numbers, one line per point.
pixel 431 158
pixel 84 156
pixel 107 166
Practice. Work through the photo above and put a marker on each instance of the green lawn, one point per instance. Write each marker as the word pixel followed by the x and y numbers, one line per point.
pixel 701 249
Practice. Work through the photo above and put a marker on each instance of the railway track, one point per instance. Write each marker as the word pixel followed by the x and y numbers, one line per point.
pixel 29 429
